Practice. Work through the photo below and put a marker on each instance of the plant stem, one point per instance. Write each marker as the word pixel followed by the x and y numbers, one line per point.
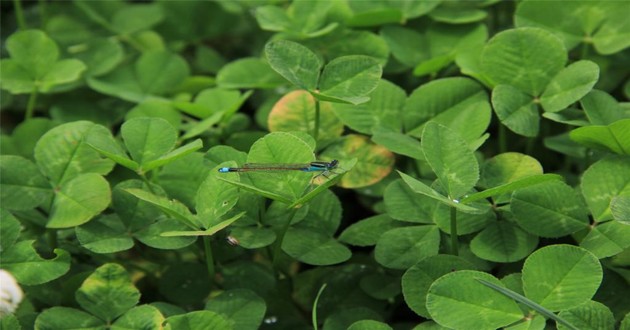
pixel 316 131
pixel 52 239
pixel 19 14
pixel 454 242
pixel 502 139
pixel 209 257
pixel 30 106
pixel 277 251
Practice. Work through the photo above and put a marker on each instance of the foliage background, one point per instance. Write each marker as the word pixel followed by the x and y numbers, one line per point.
pixel 483 151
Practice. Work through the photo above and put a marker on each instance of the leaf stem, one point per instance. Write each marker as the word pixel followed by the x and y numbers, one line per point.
pixel 454 242
pixel 30 106
pixel 19 14
pixel 314 313
pixel 277 251
pixel 502 139
pixel 209 257
pixel 317 112
pixel 52 239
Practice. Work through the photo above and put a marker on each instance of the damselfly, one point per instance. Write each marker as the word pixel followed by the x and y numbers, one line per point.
pixel 324 167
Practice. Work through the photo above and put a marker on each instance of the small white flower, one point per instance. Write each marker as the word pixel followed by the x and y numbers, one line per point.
pixel 10 293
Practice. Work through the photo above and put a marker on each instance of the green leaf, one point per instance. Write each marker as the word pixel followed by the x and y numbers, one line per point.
pixel 591 315
pixel 402 203
pixel 384 109
pixel 62 153
pixel 457 14
pixel 23 262
pixel 405 44
pixel 9 229
pixel 458 103
pixel 148 139
pixel 419 277
pixel 208 232
pixel 22 186
pixel 398 143
pixel 248 73
pixel 65 318
pixel 331 181
pixel 137 17
pixel 101 140
pixel 15 78
pixel 467 223
pixel 216 197
pixel 614 137
pixel 604 180
pixel 253 237
pixel 601 108
pixel 199 320
pixel 369 325
pixel 450 158
pixel 525 58
pixel 460 293
pixel 503 242
pixel 273 18
pixel 294 62
pixel 139 317
pixel 185 283
pixel 569 85
pixel 607 239
pixel 366 232
pixel 550 209
pixel 33 51
pixel 512 186
pixel 508 167
pixel 151 235
pixel 620 209
pixel 559 277
pixel 421 188
pixel 401 248
pixel 106 234
pixel 349 79
pixel 158 72
pixel 516 110
pixel 108 292
pixel 79 200
pixel 174 155
pixel 172 208
pixel 100 55
pixel 10 321
pixel 244 307
pixel 314 248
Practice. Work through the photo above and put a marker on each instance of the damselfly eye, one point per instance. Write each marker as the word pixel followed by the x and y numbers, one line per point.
pixel 232 240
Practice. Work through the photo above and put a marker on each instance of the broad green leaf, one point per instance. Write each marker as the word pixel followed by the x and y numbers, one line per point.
pixel 314 248
pixel 601 108
pixel 182 178
pixel 198 320
pixel 148 139
pixel 152 234
pixel 10 321
pixel 459 103
pixel 569 85
pixel 106 234
pixel 403 204
pixel 559 277
pixel 244 307
pixel 172 208
pixel 614 137
pixel 140 317
pixel 185 283
pixel 550 209
pixel 62 153
pixel 454 14
pixel 417 279
pixel 525 58
pixel 346 42
pixel 33 51
pixel 350 78
pixel 324 213
pixel 398 143
pixel 369 325
pixel 405 44
pixel 26 134
pixel 591 315
pixel 421 188
pixel 344 318
pixel 460 293
pixel 343 168
pixel 295 111
pixel 512 186
pixel 260 191
pixel 135 213
pixel 121 83
pixel 381 286
pixel 503 242
pixel 248 73
pixel 253 237
pixel 216 197
pixel 66 318
pixel 208 232
pixel 9 229
pixel 64 71
pixel 158 72
pixel 294 62
pixel 374 161
pixel 401 248
pixel 508 167
pixel 100 55
pixel 516 110
pixel 365 17
pixel 108 292
pixel 620 209
pixel 23 262
pixel 384 109
pixel 607 239
pixel 366 232
pixel 450 158
pixel 174 155
pixel 211 101
pixel 137 17
pixel 156 108
pixel 22 186
pixel 467 223
pixel 79 200
pixel 101 140
pixel 604 180
pixel 273 18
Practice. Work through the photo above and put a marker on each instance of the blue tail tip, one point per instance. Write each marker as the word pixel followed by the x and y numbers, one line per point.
pixel 224 170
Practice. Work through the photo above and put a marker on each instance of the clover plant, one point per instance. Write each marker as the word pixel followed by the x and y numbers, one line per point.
pixel 464 165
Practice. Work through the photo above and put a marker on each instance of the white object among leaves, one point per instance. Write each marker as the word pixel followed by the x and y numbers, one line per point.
pixel 10 293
